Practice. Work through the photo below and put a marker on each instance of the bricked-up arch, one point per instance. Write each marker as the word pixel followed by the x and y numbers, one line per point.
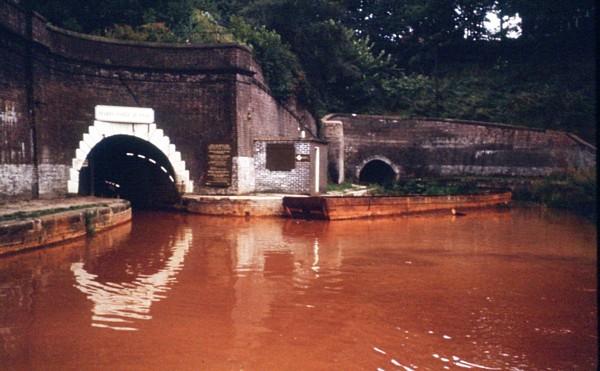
pixel 377 169
pixel 140 133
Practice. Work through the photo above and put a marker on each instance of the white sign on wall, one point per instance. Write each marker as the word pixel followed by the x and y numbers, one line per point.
pixel 131 115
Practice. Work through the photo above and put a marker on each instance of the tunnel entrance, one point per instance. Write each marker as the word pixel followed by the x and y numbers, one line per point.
pixel 377 171
pixel 131 168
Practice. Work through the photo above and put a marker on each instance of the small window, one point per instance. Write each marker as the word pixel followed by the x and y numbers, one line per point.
pixel 280 156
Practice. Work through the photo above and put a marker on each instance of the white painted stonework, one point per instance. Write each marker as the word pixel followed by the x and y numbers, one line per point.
pixel 245 174
pixel 135 115
pixel 148 132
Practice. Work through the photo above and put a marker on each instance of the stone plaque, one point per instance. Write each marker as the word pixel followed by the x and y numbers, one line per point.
pixel 218 173
pixel 130 115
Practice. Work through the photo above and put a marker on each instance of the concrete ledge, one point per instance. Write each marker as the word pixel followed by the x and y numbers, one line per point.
pixel 28 231
pixel 263 205
pixel 344 207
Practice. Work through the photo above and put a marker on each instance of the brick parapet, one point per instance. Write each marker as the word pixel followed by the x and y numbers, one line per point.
pixel 430 147
pixel 213 58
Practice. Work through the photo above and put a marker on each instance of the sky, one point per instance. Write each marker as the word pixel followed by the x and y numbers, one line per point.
pixel 512 23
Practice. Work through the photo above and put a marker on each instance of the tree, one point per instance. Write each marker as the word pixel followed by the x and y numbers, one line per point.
pixel 279 64
pixel 342 70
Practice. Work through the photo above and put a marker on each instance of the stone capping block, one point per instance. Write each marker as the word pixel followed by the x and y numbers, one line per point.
pixel 42 231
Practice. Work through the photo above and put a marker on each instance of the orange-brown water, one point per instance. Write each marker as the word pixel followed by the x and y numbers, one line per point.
pixel 513 290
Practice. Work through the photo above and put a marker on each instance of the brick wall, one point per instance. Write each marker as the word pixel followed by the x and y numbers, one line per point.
pixel 296 180
pixel 429 147
pixel 256 108
pixel 201 94
pixel 15 181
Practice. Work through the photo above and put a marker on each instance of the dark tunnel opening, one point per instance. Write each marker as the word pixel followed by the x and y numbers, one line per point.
pixel 378 172
pixel 131 168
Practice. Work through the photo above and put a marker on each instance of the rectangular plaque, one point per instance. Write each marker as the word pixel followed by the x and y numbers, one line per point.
pixel 131 115
pixel 303 158
pixel 218 173
pixel 280 156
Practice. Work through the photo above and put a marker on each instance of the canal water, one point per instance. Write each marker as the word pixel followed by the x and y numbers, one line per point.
pixel 511 290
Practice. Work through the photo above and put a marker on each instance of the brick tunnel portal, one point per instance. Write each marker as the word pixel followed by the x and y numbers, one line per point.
pixel 377 171
pixel 131 168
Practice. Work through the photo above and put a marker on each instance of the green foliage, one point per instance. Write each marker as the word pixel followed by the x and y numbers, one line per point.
pixel 332 187
pixel 412 58
pixel 280 66
pixel 199 27
pixel 576 191
pixel 22 215
pixel 562 100
pixel 341 71
pixel 428 187
pixel 202 28
pixel 154 32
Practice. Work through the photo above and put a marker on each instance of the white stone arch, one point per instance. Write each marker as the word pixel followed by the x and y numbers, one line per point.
pixel 384 159
pixel 148 132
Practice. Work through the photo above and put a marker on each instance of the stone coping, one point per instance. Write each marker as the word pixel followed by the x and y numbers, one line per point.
pixel 40 223
pixel 284 139
pixel 395 119
pixel 20 209
pixel 254 197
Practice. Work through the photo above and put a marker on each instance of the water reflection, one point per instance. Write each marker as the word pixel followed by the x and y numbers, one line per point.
pixel 510 291
pixel 118 304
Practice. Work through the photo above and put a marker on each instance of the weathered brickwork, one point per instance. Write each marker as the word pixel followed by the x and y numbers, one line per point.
pixel 293 181
pixel 301 178
pixel 256 108
pixel 52 179
pixel 429 147
pixel 58 226
pixel 15 135
pixel 15 181
pixel 200 95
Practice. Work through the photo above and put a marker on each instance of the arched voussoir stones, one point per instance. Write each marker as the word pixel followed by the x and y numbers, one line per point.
pixel 148 132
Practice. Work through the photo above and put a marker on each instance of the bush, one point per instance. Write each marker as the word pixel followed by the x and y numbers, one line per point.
pixel 428 187
pixel 280 66
pixel 155 32
pixel 575 191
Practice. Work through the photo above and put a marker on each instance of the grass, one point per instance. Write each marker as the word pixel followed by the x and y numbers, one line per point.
pixel 427 187
pixel 575 191
pixel 332 187
pixel 38 213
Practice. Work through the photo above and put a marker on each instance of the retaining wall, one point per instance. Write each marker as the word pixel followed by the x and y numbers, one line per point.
pixel 233 205
pixel 31 232
pixel 438 147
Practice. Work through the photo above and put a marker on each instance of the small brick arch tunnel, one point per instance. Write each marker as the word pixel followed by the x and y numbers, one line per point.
pixel 131 168
pixel 377 171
